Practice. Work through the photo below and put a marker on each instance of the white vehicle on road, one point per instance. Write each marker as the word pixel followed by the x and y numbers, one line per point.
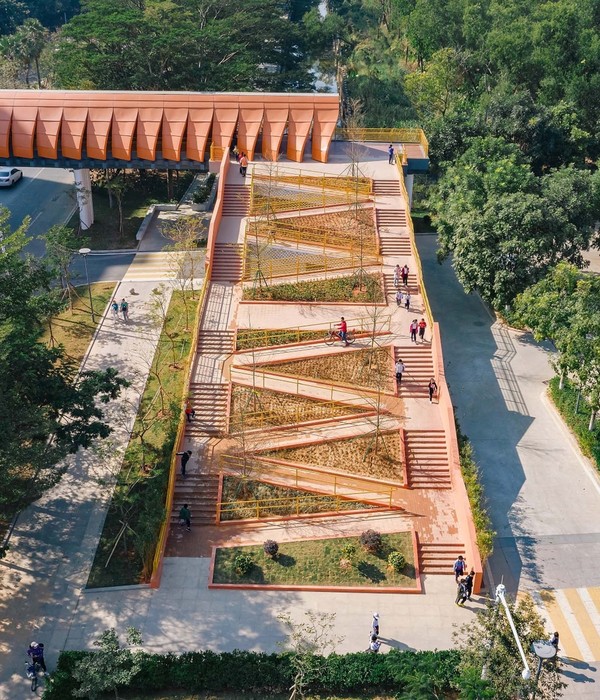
pixel 8 176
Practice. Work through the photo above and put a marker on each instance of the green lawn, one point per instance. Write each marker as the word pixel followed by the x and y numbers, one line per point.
pixel 335 289
pixel 140 493
pixel 73 328
pixel 317 563
pixel 249 338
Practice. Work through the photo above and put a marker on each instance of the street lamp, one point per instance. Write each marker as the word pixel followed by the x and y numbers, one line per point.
pixel 501 597
pixel 84 252
pixel 543 650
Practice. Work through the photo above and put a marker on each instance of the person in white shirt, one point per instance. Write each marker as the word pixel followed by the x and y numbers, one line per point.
pixel 400 368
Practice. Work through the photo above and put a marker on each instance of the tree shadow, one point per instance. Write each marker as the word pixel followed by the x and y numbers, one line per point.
pixel 371 572
pixel 285 560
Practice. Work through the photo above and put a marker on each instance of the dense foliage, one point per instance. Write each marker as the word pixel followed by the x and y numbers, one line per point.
pixel 47 411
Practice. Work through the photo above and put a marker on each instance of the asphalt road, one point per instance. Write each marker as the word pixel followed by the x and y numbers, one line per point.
pixel 47 195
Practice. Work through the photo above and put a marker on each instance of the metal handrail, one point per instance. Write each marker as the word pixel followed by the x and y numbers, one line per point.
pixel 402 134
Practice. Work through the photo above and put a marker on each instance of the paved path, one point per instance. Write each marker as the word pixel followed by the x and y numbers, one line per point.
pixel 544 497
pixel 42 578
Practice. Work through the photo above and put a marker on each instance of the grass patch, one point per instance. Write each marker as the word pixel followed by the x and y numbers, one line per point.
pixel 353 455
pixel 365 368
pixel 335 289
pixel 249 338
pixel 317 563
pixel 254 408
pixel 73 328
pixel 276 501
pixel 142 192
pixel 139 495
pixel 470 473
pixel 565 400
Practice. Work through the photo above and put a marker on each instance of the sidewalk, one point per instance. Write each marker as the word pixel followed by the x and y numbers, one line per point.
pixel 54 542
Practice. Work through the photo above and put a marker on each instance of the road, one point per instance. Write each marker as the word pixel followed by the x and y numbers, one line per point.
pixel 544 498
pixel 47 195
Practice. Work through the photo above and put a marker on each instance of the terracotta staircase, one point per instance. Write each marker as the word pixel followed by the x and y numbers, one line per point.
pixel 200 492
pixel 228 264
pixel 427 459
pixel 418 359
pixel 390 218
pixel 236 200
pixel 210 403
pixel 216 342
pixel 438 557
pixel 398 246
pixel 386 188
pixel 390 290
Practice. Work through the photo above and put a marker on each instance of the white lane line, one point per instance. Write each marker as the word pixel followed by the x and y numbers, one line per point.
pixel 574 628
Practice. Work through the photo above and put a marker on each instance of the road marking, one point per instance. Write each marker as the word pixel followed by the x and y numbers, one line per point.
pixel 591 623
pixel 555 615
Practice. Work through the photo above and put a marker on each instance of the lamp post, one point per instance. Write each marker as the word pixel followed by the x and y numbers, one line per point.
pixel 501 597
pixel 543 650
pixel 84 252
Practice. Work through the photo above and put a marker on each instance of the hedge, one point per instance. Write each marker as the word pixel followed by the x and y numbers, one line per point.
pixel 253 672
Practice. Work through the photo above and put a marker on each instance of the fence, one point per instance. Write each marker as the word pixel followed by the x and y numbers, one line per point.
pixel 212 233
pixel 248 338
pixel 399 135
pixel 308 178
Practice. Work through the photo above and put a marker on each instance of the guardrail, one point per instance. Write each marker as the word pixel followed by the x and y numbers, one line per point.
pixel 401 134
pixel 313 178
pixel 269 336
pixel 413 244
pixel 213 228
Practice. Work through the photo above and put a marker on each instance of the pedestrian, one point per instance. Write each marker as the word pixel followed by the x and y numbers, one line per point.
pixel 432 389
pixel 190 413
pixel 407 301
pixel 400 369
pixel 399 298
pixel 461 593
pixel 459 567
pixel 243 164
pixel 114 307
pixel 185 518
pixel 36 654
pixel 125 309
pixel 422 327
pixel 413 328
pixel 375 625
pixel 236 154
pixel 397 275
pixel 405 271
pixel 469 583
pixel 391 152
pixel 554 639
pixel 374 644
pixel 185 458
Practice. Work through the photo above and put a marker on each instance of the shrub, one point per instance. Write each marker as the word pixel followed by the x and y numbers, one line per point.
pixel 371 541
pixel 242 564
pixel 202 193
pixel 348 551
pixel 271 548
pixel 396 561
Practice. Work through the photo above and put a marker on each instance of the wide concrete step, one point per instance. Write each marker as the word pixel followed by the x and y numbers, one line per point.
pixel 438 558
pixel 399 246
pixel 386 187
pixel 390 218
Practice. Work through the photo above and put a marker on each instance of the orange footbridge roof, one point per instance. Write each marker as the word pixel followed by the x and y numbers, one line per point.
pixel 102 125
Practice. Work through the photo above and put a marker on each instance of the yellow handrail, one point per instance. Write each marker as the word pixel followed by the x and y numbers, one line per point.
pixel 402 135
pixel 413 244
pixel 362 324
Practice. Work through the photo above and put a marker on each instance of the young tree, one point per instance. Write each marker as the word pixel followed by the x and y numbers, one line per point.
pixel 62 244
pixel 488 648
pixel 113 665
pixel 307 640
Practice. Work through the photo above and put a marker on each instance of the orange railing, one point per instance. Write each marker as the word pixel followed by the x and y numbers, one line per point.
pixel 210 246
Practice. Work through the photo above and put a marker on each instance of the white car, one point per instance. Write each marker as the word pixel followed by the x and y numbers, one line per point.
pixel 8 176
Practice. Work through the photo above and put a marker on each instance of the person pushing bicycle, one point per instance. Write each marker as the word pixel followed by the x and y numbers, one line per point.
pixel 343 331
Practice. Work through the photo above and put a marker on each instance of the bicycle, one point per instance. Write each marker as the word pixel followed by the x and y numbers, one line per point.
pixel 332 336
pixel 33 673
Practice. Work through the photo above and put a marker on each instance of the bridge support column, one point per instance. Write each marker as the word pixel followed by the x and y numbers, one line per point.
pixel 83 185
pixel 409 182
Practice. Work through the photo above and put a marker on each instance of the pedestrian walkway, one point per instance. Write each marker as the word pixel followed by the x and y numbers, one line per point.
pixel 44 575
pixel 163 266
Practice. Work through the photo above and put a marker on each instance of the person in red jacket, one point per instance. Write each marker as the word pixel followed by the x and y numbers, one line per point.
pixel 343 326
pixel 422 327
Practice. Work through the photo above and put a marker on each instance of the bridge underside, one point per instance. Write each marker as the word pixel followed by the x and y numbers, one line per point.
pixel 85 129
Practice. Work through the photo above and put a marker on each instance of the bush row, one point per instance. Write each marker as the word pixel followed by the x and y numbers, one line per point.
pixel 565 400
pixel 252 672
pixel 335 289
pixel 471 477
